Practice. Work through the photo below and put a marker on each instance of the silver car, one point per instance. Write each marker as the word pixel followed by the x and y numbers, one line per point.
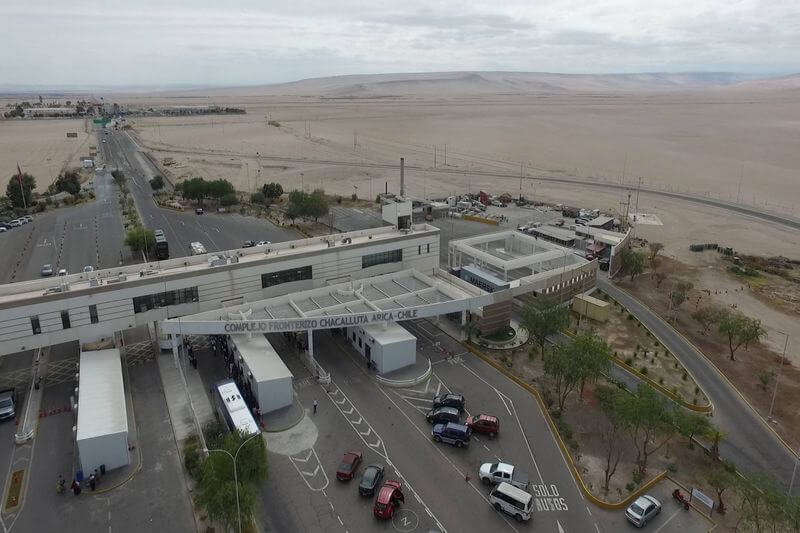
pixel 47 270
pixel 641 511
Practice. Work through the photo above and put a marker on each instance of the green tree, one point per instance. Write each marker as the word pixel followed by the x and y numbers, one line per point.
pixel 721 479
pixel 739 329
pixel 471 329
pixel 655 247
pixel 659 278
pixel 217 490
pixel 140 239
pixel 272 190
pixel 229 199
pixel 316 205
pixel 692 424
pixel 69 182
pixel 218 189
pixel 635 264
pixel 15 195
pixel 119 178
pixel 258 198
pixel 707 316
pixel 157 183
pixel 679 294
pixel 591 356
pixel 650 422
pixel 559 365
pixel 542 319
pixel 612 401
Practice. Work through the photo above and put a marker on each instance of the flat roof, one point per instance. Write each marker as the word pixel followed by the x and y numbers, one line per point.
pixel 552 231
pixel 119 276
pixel 101 395
pixel 260 357
pixel 388 332
pixel 599 221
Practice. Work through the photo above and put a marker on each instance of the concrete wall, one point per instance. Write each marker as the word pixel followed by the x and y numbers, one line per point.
pixel 273 394
pixel 109 450
pixel 385 357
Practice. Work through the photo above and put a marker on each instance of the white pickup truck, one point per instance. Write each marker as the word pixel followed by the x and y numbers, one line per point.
pixel 494 473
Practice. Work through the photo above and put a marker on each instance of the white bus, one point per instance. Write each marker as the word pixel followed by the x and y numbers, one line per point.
pixel 232 409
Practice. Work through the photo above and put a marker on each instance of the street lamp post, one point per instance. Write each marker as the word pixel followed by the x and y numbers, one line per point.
pixel 778 377
pixel 235 474
pixel 791 483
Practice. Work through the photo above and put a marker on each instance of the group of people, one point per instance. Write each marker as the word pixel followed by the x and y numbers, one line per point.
pixel 93 482
pixel 235 372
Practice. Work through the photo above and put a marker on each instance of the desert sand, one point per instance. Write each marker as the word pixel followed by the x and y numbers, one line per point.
pixel 41 148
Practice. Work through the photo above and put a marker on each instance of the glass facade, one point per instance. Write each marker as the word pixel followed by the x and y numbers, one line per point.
pixel 284 276
pixel 392 256
pixel 145 303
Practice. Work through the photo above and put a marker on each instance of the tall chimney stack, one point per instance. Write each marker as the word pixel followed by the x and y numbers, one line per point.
pixel 402 177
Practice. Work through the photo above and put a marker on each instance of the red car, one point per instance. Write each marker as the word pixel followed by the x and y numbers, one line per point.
pixel 389 497
pixel 348 466
pixel 484 424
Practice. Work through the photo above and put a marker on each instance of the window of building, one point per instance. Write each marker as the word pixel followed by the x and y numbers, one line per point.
pixel 93 314
pixel 147 302
pixel 429 248
pixel 419 250
pixel 284 276
pixel 65 319
pixel 359 342
pixel 392 256
pixel 35 327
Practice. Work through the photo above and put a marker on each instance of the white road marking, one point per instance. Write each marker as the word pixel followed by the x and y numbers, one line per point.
pixel 668 520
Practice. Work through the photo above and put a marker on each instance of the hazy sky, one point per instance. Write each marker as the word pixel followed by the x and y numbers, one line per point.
pixel 237 42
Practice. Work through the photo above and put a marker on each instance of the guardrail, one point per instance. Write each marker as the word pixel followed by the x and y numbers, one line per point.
pixel 406 382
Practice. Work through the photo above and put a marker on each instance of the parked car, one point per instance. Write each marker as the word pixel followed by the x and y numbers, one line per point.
pixel 47 270
pixel 370 479
pixel 442 415
pixel 22 220
pixel 3 228
pixel 198 211
pixel 389 497
pixel 494 473
pixel 262 243
pixel 62 272
pixel 14 223
pixel 28 218
pixel 348 466
pixel 7 404
pixel 641 511
pixel 456 401
pixel 488 424
pixel 248 244
pixel 451 433
pixel 511 500
pixel 87 269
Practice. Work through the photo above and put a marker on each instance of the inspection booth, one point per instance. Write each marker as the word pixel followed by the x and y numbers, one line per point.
pixel 263 371
pixel 102 431
pixel 388 346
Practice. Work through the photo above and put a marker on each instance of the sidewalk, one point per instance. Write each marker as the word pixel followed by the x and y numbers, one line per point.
pixel 180 412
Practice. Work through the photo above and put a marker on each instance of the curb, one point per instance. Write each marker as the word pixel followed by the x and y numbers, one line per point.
pixel 717 370
pixel 663 390
pixel 563 447
pixel 290 426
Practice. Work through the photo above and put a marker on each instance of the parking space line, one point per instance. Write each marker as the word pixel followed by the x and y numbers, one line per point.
pixel 662 526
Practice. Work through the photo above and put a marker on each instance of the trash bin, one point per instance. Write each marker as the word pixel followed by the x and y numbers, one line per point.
pixel 103 470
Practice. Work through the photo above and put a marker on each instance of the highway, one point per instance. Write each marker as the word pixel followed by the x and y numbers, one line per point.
pixel 748 442
pixel 216 231
pixel 70 237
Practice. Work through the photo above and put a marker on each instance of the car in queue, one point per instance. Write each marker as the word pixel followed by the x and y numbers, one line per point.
pixel 348 465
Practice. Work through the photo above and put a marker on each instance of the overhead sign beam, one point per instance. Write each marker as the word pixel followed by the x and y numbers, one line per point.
pixel 275 325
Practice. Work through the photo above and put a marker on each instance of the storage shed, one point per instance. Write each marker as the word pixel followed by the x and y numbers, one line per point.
pixel 387 346
pixel 590 307
pixel 102 433
pixel 267 377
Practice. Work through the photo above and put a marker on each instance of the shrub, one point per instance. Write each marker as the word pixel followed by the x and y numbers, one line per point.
pixel 638 347
pixel 684 376
pixel 637 476
pixel 697 390
pixel 192 459
pixel 630 316
pixel 354 197
pixel 629 361
pixel 653 360
pixel 644 370
pixel 672 467
pixel 676 364
pixel 675 391
pixel 660 381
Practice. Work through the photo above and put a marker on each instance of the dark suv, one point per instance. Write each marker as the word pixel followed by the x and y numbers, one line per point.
pixel 442 415
pixel 454 434
pixel 456 401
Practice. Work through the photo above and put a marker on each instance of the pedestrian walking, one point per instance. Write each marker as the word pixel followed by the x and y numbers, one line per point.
pixel 92 482
pixel 76 487
pixel 315 406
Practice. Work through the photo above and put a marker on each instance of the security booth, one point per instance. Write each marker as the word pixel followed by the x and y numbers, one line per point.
pixel 102 430
pixel 386 346
pixel 263 377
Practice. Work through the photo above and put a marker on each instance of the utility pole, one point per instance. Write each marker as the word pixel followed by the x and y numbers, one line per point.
pixel 355 140
pixel 445 154
pixel 638 186
pixel 434 156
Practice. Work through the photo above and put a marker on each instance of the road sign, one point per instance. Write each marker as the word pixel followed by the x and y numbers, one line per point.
pixel 708 502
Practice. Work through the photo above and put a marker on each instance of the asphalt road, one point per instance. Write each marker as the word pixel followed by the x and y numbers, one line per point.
pixel 70 237
pixel 216 231
pixel 748 442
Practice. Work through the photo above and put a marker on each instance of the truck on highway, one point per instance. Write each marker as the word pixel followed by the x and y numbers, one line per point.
pixel 162 246
pixel 494 473
pixel 7 410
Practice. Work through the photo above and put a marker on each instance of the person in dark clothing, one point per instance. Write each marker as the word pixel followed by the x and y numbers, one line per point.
pixel 76 488
pixel 92 482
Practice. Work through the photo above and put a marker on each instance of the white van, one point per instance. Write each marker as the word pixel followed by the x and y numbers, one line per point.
pixel 511 500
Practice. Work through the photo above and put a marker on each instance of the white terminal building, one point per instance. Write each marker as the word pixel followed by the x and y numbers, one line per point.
pixel 362 283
